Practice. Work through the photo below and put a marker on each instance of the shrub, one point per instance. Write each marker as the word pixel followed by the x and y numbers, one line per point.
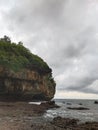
pixel 16 56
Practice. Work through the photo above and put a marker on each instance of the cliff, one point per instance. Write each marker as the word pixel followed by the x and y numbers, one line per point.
pixel 24 75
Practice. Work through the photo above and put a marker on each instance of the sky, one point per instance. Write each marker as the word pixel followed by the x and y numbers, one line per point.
pixel 64 33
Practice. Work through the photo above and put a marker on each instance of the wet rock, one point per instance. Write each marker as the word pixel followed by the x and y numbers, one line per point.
pixel 64 122
pixel 80 104
pixel 96 102
pixel 88 126
pixel 68 103
pixel 50 104
pixel 73 124
pixel 78 108
pixel 63 102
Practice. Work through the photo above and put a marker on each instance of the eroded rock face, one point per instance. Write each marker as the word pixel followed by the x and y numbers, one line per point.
pixel 26 84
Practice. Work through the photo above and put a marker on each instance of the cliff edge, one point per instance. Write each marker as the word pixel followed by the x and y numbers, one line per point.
pixel 23 75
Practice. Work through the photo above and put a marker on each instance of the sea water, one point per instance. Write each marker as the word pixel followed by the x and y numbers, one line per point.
pixel 82 115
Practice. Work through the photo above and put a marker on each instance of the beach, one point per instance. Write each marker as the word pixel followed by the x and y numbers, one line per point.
pixel 27 116
pixel 22 116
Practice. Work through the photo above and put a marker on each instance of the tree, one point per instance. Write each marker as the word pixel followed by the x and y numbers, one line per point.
pixel 6 39
pixel 20 43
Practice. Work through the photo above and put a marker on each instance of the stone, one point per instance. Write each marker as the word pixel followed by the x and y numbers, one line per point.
pixel 78 108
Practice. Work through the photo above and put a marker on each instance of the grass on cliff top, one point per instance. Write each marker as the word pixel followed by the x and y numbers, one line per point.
pixel 16 57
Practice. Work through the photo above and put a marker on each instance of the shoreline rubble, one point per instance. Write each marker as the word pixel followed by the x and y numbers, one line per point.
pixel 23 116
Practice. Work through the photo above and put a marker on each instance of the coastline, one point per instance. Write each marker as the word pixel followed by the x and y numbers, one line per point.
pixel 23 116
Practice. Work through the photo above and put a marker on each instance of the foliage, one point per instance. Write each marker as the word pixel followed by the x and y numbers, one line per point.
pixel 16 57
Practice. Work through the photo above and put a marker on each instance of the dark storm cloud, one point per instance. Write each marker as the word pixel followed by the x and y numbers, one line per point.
pixel 33 15
pixel 82 84
pixel 64 33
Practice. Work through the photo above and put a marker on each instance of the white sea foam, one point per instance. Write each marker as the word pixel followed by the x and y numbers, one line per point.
pixel 37 103
pixel 82 115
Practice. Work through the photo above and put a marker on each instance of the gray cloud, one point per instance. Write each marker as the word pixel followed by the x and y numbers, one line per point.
pixel 64 33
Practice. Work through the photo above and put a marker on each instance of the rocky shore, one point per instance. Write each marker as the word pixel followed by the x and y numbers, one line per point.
pixel 25 116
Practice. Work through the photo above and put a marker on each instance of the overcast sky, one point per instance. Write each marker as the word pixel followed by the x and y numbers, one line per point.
pixel 64 33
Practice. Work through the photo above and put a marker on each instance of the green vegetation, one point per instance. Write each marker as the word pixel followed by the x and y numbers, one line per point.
pixel 16 57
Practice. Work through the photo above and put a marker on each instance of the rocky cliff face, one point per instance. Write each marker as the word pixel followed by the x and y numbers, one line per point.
pixel 23 75
pixel 26 84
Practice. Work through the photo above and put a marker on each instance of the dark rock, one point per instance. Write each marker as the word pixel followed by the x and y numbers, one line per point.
pixel 32 125
pixel 50 104
pixel 73 124
pixel 88 126
pixel 64 122
pixel 80 104
pixel 77 108
pixel 63 102
pixel 96 102
pixel 68 103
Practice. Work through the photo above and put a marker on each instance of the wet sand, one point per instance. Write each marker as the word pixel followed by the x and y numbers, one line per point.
pixel 24 116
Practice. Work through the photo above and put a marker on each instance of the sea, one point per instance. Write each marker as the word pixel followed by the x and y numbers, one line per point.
pixel 82 115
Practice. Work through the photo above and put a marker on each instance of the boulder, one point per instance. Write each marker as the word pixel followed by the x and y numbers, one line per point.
pixel 78 108
pixel 96 102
